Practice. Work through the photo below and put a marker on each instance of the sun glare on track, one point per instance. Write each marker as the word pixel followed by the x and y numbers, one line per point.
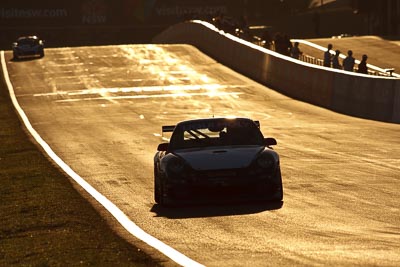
pixel 163 74
pixel 210 90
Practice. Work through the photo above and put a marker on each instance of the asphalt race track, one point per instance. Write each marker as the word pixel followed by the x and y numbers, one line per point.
pixel 101 109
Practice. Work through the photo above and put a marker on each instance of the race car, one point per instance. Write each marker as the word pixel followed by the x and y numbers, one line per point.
pixel 28 46
pixel 216 159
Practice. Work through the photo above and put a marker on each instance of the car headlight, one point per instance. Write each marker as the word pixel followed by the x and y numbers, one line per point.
pixel 176 165
pixel 266 161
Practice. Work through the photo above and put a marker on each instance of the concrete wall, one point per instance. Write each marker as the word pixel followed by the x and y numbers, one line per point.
pixel 365 96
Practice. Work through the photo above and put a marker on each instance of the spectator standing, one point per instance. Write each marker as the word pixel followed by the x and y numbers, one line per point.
pixel 243 24
pixel 217 20
pixel 268 41
pixel 282 44
pixel 295 51
pixel 335 60
pixel 328 56
pixel 349 61
pixel 287 45
pixel 278 43
pixel 362 67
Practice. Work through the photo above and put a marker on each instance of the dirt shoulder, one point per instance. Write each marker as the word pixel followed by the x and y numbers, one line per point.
pixel 44 220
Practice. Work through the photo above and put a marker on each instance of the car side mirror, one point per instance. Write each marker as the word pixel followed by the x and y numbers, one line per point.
pixel 163 147
pixel 269 141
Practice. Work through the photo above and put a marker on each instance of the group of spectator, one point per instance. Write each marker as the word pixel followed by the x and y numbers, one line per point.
pixel 281 43
pixel 347 64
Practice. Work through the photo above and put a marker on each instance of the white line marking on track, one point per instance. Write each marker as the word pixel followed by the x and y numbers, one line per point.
pixel 140 89
pixel 234 94
pixel 130 226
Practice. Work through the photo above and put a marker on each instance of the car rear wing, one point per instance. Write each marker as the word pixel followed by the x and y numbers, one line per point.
pixel 167 129
pixel 170 128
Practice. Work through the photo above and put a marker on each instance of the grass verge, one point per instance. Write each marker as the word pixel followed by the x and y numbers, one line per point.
pixel 44 220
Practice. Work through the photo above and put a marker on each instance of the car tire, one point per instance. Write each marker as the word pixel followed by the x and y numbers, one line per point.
pixel 160 197
pixel 278 195
pixel 41 53
pixel 157 189
pixel 15 56
pixel 158 194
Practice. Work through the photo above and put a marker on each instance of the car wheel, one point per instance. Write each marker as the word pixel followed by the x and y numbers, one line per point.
pixel 159 194
pixel 15 55
pixel 278 196
pixel 41 53
pixel 157 189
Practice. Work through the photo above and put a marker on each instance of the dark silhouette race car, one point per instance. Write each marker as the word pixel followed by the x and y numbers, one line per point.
pixel 216 159
pixel 28 46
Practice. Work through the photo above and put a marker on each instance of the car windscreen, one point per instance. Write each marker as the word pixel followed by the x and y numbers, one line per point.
pixel 224 132
pixel 28 41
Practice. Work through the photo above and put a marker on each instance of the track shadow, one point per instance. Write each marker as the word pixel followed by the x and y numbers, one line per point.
pixel 214 210
pixel 23 59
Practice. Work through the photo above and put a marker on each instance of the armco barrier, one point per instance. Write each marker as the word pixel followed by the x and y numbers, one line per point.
pixel 365 96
